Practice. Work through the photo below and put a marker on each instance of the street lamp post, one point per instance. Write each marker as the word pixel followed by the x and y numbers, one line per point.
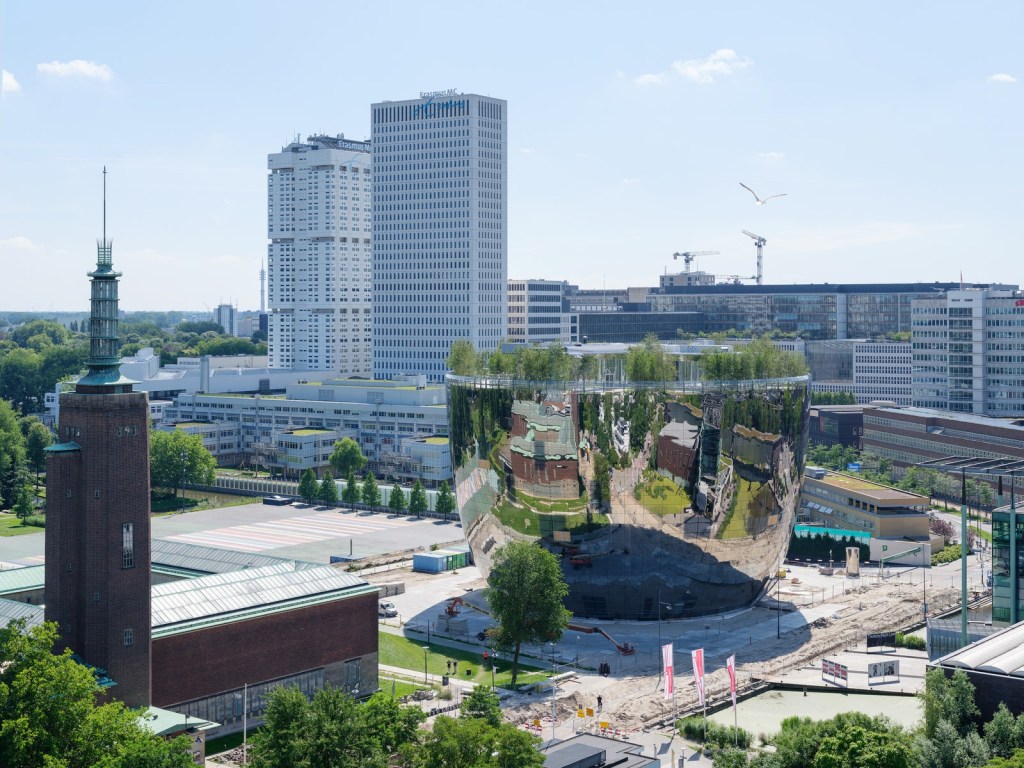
pixel 778 604
pixel 182 479
pixel 426 649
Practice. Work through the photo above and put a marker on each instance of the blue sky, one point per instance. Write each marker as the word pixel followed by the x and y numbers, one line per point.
pixel 894 128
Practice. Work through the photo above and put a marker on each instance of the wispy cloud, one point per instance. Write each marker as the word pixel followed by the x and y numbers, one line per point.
pixel 772 155
pixel 18 243
pixel 528 151
pixel 659 78
pixel 721 63
pixel 77 68
pixel 1002 77
pixel 631 180
pixel 9 84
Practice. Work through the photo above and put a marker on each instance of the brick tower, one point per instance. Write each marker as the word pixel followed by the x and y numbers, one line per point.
pixel 97 516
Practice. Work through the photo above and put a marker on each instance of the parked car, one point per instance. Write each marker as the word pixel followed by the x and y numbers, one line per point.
pixel 386 609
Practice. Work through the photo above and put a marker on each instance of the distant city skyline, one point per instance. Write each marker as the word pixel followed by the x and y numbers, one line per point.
pixel 894 132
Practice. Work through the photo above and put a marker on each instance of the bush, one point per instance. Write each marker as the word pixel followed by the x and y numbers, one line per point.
pixel 912 642
pixel 37 520
pixel 947 554
pixel 720 736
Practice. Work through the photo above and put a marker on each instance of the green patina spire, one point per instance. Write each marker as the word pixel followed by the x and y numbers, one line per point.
pixel 104 362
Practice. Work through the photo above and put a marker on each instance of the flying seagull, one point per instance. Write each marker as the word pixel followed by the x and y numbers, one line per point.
pixel 758 200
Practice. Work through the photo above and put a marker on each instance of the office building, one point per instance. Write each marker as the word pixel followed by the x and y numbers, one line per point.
pixel 968 352
pixel 909 436
pixel 538 312
pixel 319 260
pixel 814 312
pixel 869 370
pixel 440 235
pixel 401 425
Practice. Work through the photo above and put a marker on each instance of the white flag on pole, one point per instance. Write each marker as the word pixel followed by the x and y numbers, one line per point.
pixel 667 664
pixel 730 664
pixel 698 673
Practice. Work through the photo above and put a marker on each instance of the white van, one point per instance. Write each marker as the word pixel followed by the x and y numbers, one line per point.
pixel 386 609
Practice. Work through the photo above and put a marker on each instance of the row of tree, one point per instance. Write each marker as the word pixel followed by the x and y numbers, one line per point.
pixel 37 354
pixel 326 492
pixel 334 731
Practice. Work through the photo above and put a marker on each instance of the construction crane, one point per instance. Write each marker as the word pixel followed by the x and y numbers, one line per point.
pixel 688 256
pixel 735 279
pixel 759 242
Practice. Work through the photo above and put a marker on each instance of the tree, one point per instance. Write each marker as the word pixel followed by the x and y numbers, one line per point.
pixel 48 715
pixel 308 487
pixel 23 506
pixel 950 699
pixel 371 493
pixel 647 361
pixel 526 590
pixel 417 500
pixel 457 743
pixel 445 500
pixel 347 457
pixel 483 703
pixel 37 438
pixel 12 454
pixel 1001 732
pixel 350 494
pixel 328 492
pixel 463 359
pixel 176 457
pixel 517 749
pixel 396 501
pixel 393 724
pixel 278 742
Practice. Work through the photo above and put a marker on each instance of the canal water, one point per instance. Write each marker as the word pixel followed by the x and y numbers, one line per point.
pixel 764 713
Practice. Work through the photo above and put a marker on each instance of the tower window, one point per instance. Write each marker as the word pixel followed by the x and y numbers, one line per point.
pixel 127 546
pixel 129 637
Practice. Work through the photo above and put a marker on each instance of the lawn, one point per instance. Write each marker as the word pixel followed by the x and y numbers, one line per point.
pixel 542 524
pixel 397 651
pixel 553 505
pixel 751 500
pixel 10 525
pixel 196 500
pixel 661 496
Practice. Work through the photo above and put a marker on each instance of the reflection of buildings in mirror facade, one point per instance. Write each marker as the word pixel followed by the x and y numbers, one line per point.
pixel 683 497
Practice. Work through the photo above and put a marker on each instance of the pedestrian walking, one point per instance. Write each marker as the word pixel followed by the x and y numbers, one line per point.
pixel 449 666
pixel 600 703
pixel 455 666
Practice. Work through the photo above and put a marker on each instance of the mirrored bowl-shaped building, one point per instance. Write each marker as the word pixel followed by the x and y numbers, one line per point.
pixel 663 500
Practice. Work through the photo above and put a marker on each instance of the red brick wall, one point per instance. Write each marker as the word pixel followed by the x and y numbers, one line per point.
pixel 674 457
pixel 91 493
pixel 197 664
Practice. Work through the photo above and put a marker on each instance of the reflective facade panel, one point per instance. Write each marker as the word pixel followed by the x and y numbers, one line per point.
pixel 681 497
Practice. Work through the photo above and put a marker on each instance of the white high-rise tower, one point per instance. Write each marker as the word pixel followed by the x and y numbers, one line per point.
pixel 440 239
pixel 319 261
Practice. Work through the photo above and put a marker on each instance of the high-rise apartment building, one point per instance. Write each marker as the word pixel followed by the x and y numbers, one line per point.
pixel 968 352
pixel 440 239
pixel 319 260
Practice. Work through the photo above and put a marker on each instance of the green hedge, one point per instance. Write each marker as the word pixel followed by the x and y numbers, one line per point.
pixel 948 554
pixel 719 736
pixel 912 642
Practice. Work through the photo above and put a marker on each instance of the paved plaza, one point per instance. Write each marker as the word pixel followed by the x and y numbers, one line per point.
pixel 296 531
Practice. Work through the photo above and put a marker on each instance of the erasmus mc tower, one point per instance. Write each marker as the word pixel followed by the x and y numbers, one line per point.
pixel 679 494
pixel 440 241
